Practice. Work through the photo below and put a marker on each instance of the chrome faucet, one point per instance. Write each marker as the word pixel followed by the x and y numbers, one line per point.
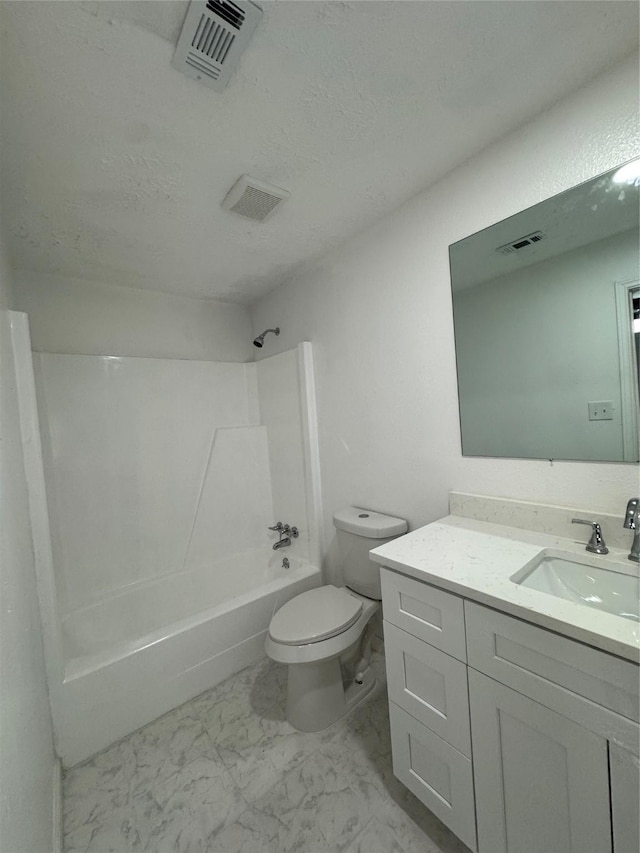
pixel 286 533
pixel 632 522
pixel 596 544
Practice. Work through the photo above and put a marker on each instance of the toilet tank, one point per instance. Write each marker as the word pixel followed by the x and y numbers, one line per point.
pixel 360 530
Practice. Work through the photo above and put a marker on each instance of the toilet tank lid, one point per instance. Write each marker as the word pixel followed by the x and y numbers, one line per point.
pixel 366 522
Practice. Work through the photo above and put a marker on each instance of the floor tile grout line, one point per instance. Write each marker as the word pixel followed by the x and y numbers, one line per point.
pixel 354 840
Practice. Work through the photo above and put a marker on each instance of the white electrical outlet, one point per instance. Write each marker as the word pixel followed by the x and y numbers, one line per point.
pixel 602 411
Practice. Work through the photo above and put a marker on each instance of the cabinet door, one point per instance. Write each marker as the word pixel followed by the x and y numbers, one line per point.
pixel 625 799
pixel 541 780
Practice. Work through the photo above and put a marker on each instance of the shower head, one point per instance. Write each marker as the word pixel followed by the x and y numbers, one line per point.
pixel 259 341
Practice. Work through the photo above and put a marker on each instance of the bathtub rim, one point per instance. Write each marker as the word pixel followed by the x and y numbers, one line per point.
pixel 78 667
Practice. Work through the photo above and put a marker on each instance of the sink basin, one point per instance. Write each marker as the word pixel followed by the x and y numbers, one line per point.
pixel 601 587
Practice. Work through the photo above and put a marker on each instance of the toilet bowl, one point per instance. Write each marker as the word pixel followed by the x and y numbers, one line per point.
pixel 317 631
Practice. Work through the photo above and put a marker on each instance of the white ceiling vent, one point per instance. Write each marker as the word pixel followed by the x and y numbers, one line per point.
pixel 254 199
pixel 214 36
pixel 521 243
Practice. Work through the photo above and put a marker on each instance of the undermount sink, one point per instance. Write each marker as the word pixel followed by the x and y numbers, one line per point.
pixel 601 587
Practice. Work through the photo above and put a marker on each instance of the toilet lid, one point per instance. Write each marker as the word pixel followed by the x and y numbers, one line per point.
pixel 315 615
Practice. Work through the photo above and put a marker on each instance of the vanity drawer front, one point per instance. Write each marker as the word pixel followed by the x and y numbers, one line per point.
pixel 428 613
pixel 439 775
pixel 542 664
pixel 430 685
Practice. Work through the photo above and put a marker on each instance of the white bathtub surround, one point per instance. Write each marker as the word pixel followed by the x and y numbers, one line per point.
pixel 542 518
pixel 145 614
pixel 163 580
pixel 477 559
pixel 28 767
pixel 159 466
pixel 153 466
pixel 225 772
pixel 104 700
pixel 286 394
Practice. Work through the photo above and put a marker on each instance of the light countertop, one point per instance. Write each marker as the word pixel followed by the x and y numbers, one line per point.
pixel 476 559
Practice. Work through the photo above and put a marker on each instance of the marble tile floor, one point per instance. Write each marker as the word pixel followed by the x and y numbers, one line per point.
pixel 225 773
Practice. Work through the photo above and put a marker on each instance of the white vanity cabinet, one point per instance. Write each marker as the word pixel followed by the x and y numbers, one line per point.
pixel 624 768
pixel 519 739
pixel 541 780
pixel 429 699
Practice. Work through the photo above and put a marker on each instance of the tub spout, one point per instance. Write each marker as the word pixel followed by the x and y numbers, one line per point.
pixel 284 542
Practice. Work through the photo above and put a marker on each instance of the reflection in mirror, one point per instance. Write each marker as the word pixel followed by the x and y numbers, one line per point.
pixel 547 348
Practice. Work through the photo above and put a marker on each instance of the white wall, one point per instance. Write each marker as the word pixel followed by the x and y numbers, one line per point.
pixel 76 316
pixel 535 346
pixel 378 313
pixel 27 760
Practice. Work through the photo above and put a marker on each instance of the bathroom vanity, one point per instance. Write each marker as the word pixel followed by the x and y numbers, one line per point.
pixel 514 711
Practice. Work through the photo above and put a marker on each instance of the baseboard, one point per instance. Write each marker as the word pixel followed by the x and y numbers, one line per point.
pixel 57 845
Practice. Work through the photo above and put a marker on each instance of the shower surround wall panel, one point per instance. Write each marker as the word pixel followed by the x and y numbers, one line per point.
pixel 161 480
pixel 279 384
pixel 132 447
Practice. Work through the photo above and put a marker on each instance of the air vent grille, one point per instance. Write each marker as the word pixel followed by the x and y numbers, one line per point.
pixel 228 11
pixel 202 66
pixel 212 40
pixel 521 243
pixel 213 37
pixel 254 199
pixel 255 204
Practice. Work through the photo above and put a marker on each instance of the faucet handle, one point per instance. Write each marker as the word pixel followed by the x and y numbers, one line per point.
pixel 631 514
pixel 285 530
pixel 596 544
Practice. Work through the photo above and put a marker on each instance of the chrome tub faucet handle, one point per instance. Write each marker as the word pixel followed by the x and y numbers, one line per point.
pixel 285 534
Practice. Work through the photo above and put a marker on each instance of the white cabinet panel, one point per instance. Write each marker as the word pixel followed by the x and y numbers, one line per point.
pixel 435 772
pixel 429 685
pixel 428 613
pixel 541 780
pixel 624 768
pixel 553 735
pixel 535 661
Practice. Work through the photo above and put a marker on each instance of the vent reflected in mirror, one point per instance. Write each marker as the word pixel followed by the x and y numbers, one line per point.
pixel 543 303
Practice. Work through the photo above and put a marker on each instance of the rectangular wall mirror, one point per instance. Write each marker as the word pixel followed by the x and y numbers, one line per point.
pixel 547 348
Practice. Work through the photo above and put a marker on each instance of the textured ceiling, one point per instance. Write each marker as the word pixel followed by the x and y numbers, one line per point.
pixel 114 164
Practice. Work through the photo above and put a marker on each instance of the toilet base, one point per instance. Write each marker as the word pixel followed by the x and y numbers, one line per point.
pixel 316 697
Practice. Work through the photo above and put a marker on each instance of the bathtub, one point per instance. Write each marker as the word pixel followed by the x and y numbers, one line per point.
pixel 136 655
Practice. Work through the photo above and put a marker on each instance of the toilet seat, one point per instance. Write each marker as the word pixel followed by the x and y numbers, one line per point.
pixel 316 615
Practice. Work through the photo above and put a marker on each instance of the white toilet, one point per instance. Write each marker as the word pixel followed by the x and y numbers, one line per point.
pixel 316 629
